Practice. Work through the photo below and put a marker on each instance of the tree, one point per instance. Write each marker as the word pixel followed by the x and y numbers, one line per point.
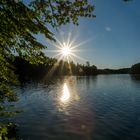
pixel 20 21
pixel 135 69
pixel 87 64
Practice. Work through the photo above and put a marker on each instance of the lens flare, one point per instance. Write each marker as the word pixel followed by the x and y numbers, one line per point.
pixel 67 48
pixel 66 51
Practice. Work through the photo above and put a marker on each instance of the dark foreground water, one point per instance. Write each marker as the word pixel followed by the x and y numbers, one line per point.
pixel 104 107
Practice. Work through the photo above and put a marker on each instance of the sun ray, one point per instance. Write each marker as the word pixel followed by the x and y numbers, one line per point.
pixel 66 52
pixel 72 58
pixel 57 55
pixel 80 44
pixel 62 66
pixel 51 71
pixel 70 68
pixel 78 57
pixel 67 48
pixel 61 44
pixel 53 51
pixel 68 40
pixel 54 43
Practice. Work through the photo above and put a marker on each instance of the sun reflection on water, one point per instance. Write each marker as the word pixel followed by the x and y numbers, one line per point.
pixel 77 120
pixel 66 94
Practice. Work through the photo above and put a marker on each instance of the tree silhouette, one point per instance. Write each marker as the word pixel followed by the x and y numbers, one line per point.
pixel 20 22
pixel 135 69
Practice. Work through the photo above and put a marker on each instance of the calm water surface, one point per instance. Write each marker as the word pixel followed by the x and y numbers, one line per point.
pixel 104 107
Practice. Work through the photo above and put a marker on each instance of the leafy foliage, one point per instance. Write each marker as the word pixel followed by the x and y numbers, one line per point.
pixel 20 22
pixel 7 131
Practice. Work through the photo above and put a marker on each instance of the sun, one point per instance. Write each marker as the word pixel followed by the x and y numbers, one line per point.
pixel 66 50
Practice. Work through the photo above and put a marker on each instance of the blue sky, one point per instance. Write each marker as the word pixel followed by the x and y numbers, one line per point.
pixel 114 35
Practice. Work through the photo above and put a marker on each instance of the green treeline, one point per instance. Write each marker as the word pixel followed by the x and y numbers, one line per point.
pixel 52 67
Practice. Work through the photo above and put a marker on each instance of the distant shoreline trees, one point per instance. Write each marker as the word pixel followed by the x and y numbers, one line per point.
pixel 135 69
pixel 27 71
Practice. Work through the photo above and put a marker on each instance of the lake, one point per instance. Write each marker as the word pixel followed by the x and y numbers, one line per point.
pixel 103 107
